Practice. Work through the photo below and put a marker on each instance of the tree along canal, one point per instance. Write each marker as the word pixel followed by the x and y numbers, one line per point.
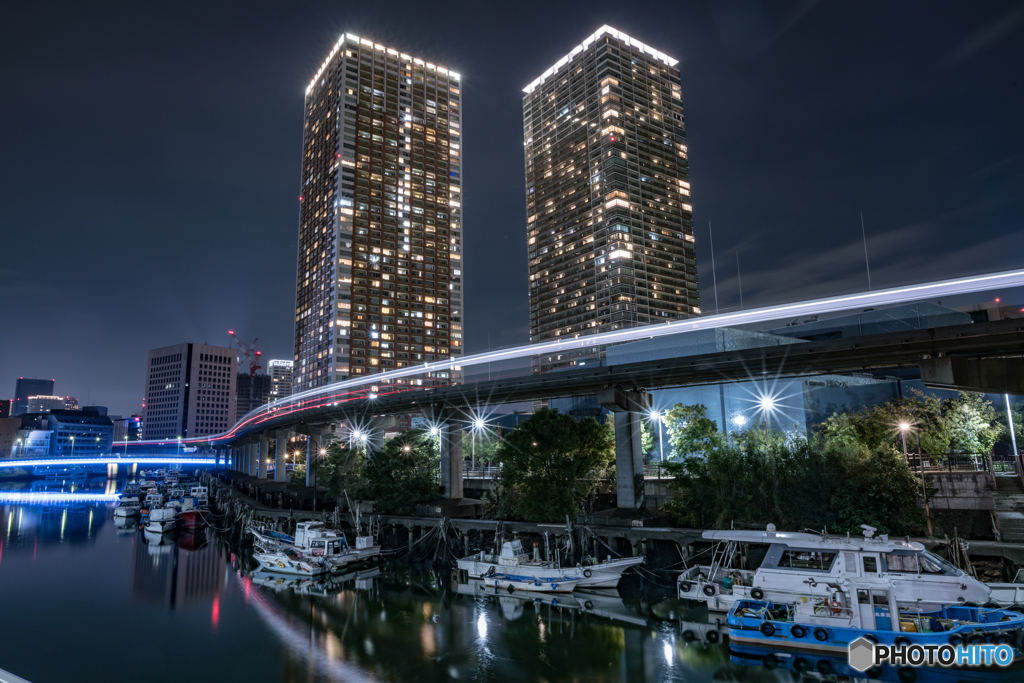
pixel 87 598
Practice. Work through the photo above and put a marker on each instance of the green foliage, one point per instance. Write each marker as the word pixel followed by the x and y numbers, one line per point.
pixel 402 474
pixel 832 479
pixel 298 475
pixel 551 464
pixel 646 438
pixel 1018 425
pixel 965 424
pixel 690 431
pixel 340 469
pixel 486 444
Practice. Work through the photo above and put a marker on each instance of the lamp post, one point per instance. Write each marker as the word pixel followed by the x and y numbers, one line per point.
pixel 22 447
pixel 126 445
pixel 904 427
pixel 179 446
pixel 72 446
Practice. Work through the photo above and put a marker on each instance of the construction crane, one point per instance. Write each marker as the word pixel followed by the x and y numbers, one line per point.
pixel 250 352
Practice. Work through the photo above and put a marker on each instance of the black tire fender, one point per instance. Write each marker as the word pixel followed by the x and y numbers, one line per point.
pixel 685 586
pixel 587 573
pixel 956 640
pixel 902 641
pixel 824 667
pixel 712 637
pixel 709 590
pixel 757 593
pixel 821 634
pixel 767 629
pixel 588 604
pixel 906 674
pixel 798 631
pixel 688 636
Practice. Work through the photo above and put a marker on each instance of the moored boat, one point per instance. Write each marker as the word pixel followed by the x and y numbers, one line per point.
pixel 805 565
pixel 514 560
pixel 161 520
pixel 314 539
pixel 831 625
pixel 291 561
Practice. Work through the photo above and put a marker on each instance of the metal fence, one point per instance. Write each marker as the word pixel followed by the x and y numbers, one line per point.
pixel 997 464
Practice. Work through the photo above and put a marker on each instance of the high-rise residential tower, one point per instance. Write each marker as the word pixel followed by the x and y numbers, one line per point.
pixel 609 219
pixel 190 391
pixel 379 273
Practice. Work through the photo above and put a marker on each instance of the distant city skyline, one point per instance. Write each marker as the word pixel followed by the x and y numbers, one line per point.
pixel 798 118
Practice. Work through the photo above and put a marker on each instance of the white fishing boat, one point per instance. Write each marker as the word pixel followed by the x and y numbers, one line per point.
pixel 291 561
pixel 162 520
pixel 604 574
pixel 128 506
pixel 314 539
pixel 515 570
pixel 807 565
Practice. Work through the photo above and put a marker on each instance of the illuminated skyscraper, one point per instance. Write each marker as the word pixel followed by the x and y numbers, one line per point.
pixel 609 219
pixel 379 276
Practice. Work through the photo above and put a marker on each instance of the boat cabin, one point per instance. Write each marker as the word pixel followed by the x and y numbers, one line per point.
pixel 319 540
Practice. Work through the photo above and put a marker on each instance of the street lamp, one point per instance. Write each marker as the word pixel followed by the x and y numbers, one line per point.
pixel 72 446
pixel 179 446
pixel 22 445
pixel 126 445
pixel 656 416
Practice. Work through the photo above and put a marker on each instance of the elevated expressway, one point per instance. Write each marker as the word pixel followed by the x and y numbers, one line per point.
pixel 986 356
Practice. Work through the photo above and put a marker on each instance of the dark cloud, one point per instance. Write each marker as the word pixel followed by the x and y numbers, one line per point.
pixel 150 157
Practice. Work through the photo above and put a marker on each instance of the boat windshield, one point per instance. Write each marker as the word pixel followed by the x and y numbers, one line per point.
pixel 919 563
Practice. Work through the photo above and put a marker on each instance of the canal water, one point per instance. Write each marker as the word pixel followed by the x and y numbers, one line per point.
pixel 86 599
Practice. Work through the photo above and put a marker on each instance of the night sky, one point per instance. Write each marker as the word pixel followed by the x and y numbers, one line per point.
pixel 150 158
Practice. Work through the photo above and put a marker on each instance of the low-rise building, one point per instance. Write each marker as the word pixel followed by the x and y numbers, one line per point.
pixel 44 404
pixel 67 433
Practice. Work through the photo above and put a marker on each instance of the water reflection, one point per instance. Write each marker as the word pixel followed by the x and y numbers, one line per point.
pixel 74 576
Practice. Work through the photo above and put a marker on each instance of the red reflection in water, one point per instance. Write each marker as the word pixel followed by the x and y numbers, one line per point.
pixel 215 615
pixel 1 550
pixel 248 583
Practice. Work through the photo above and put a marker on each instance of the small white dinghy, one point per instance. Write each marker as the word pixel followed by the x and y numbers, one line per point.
pixel 513 560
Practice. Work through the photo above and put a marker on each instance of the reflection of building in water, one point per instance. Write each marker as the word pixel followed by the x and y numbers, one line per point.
pixel 163 572
pixel 25 526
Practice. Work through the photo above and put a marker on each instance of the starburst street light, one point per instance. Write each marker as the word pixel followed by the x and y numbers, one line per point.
pixel 435 431
pixel 656 416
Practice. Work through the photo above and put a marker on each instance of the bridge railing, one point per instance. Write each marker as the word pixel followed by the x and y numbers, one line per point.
pixel 481 472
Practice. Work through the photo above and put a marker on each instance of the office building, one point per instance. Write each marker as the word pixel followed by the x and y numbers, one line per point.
pixel 26 387
pixel 609 217
pixel 68 433
pixel 44 404
pixel 379 272
pixel 280 372
pixel 9 440
pixel 5 408
pixel 251 393
pixel 190 391
pixel 127 428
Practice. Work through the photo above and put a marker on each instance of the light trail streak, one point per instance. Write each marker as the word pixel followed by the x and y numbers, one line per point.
pixel 304 401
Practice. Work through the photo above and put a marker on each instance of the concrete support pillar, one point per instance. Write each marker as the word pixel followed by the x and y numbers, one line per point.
pixel 280 451
pixel 218 460
pixel 264 455
pixel 451 459
pixel 253 457
pixel 628 408
pixel 309 461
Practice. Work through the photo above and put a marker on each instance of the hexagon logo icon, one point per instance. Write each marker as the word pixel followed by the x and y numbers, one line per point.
pixel 862 654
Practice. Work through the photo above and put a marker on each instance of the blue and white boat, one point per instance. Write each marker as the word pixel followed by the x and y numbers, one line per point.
pixel 827 667
pixel 867 609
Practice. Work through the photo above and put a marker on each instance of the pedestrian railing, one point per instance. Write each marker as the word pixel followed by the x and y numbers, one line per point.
pixel 481 472
pixel 997 464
